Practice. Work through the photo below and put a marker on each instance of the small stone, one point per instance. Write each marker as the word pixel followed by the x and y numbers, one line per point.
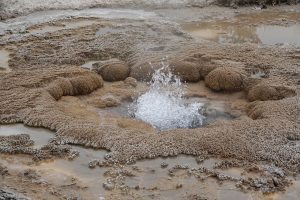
pixel 200 159
pixel 6 194
pixel 137 187
pixel 259 182
pixel 154 188
pixel 164 165
pixel 275 181
pixel 135 168
pixel 73 155
pixel 108 186
pixel 3 171
pixel 31 174
pixel 93 163
pixel 263 6
pixel 234 6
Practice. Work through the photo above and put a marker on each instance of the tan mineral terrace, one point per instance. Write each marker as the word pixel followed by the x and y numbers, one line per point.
pixel 71 83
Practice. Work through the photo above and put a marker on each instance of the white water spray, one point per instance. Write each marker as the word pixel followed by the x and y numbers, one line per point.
pixel 164 107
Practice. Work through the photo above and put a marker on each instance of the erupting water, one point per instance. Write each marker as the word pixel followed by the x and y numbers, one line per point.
pixel 163 106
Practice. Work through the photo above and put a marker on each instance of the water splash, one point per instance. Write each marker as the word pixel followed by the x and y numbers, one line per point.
pixel 164 106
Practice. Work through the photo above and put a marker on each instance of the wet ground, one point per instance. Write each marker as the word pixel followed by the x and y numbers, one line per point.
pixel 266 29
pixel 159 178
pixel 4 57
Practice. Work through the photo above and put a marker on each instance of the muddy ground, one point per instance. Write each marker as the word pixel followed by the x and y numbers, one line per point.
pixel 95 150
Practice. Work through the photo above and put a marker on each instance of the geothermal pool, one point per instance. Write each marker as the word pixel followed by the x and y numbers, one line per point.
pixel 165 105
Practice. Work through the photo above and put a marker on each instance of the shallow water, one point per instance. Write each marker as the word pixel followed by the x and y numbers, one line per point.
pixel 4 58
pixel 59 170
pixel 266 28
pixel 269 34
pixel 40 136
pixel 230 33
pixel 292 193
pixel 154 182
pixel 79 169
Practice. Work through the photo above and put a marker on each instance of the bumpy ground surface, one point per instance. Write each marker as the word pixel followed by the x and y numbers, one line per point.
pixel 47 67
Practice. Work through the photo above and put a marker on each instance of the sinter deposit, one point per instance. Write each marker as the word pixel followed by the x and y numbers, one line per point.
pixel 88 110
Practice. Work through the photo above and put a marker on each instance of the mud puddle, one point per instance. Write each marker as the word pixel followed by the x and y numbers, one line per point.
pixel 266 28
pixel 40 136
pixel 292 192
pixel 155 181
pixel 4 58
pixel 60 171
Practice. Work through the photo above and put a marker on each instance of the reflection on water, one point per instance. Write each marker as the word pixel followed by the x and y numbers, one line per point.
pixel 249 28
pixel 278 34
pixel 230 33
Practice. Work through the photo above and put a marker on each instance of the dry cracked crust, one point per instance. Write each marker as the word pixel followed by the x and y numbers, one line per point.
pixel 44 72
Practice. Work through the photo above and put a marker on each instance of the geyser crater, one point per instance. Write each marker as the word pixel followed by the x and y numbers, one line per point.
pixel 168 103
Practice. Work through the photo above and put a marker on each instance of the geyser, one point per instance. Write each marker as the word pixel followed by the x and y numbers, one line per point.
pixel 163 105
